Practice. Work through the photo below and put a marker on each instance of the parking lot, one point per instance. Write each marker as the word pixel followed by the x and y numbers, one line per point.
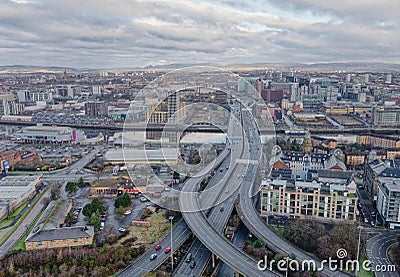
pixel 114 219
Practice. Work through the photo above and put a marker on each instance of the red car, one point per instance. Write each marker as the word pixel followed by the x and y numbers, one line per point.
pixel 158 247
pixel 167 250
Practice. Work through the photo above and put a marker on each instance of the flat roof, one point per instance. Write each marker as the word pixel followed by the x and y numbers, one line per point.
pixel 133 155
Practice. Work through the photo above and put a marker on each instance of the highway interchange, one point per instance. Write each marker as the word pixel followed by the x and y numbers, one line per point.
pixel 208 229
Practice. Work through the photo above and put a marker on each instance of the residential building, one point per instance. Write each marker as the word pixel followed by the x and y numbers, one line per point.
pixel 302 165
pixel 374 140
pixel 388 202
pixel 384 169
pixel 316 200
pixel 96 109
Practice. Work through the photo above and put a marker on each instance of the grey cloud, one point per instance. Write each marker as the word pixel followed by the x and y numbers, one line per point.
pixel 123 33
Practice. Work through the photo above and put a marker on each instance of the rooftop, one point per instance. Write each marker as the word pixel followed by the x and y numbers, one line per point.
pixel 61 234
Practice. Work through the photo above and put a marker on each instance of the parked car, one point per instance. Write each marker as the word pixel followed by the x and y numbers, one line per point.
pixel 127 212
pixel 122 230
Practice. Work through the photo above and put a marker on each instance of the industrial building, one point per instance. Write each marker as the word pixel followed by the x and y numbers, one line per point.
pixel 48 134
pixel 15 190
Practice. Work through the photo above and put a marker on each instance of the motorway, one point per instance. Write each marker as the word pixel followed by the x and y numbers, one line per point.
pixel 376 249
pixel 217 219
pixel 180 233
pixel 143 265
pixel 209 236
pixel 238 240
pixel 250 216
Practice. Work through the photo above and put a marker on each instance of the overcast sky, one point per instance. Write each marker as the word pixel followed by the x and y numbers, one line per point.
pixel 128 33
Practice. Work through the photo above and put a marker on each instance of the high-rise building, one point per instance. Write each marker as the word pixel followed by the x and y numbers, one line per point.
pixel 96 109
pixel 388 78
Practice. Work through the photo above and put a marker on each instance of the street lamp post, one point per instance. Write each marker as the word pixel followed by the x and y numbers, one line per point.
pixel 358 245
pixel 172 250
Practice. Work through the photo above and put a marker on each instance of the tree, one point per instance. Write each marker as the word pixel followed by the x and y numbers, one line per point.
pixel 80 182
pixel 69 219
pixel 259 243
pixel 94 206
pixel 87 210
pixel 95 220
pixel 123 201
pixel 304 234
pixel 71 187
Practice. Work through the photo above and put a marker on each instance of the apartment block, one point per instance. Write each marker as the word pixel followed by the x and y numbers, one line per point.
pixel 317 200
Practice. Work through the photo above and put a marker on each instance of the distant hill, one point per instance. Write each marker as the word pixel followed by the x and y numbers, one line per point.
pixel 319 67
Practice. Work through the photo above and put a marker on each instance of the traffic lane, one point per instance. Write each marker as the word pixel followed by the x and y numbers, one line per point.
pixel 143 265
pixel 199 253
pixel 217 220
pixel 377 252
pixel 218 244
pixel 238 240
pixel 223 249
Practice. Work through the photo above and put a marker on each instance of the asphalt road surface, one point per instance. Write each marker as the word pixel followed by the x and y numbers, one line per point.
pixel 376 249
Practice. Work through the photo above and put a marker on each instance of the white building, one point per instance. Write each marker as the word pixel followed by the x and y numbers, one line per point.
pixel 388 203
pixel 46 134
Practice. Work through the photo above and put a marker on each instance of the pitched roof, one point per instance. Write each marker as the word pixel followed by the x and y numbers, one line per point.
pixel 61 234
pixel 279 164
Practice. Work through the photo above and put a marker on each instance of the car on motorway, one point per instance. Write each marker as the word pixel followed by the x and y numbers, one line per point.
pixel 222 209
pixel 122 230
pixel 192 264
pixel 153 256
pixel 167 250
pixel 158 247
pixel 189 257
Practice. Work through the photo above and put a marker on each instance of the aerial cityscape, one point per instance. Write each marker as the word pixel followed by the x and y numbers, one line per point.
pixel 199 138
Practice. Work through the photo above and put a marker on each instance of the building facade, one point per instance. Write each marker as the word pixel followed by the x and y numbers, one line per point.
pixel 96 109
pixel 388 202
pixel 327 202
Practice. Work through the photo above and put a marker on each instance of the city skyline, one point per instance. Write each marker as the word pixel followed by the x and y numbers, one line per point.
pixel 104 34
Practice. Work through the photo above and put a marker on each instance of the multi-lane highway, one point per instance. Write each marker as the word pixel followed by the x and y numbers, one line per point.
pixel 144 265
pixel 206 233
pixel 238 240
pixel 250 216
pixel 377 248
